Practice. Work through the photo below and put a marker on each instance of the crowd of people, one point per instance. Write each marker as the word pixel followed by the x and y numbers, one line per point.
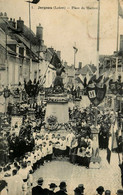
pixel 85 118
pixel 52 190
pixel 33 147
pixel 47 147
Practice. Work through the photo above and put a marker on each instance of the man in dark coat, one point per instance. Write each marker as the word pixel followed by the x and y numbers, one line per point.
pixel 100 190
pixel 77 191
pixel 81 188
pixel 62 190
pixel 52 189
pixel 38 190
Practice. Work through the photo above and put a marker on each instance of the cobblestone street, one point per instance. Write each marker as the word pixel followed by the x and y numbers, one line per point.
pixel 108 175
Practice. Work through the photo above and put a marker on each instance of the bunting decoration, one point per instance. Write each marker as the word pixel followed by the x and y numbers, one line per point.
pixel 6 93
pixel 96 94
pixel 32 89
pixel 96 89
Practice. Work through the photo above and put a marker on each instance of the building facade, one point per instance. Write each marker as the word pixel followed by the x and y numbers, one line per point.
pixel 23 55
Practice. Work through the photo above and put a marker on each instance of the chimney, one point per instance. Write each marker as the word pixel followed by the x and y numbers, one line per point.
pixel 11 22
pixel 1 14
pixel 65 63
pixel 4 16
pixel 80 65
pixel 39 32
pixel 14 23
pixel 20 24
pixel 59 54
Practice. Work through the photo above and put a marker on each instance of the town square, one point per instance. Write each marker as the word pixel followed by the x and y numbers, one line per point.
pixel 61 97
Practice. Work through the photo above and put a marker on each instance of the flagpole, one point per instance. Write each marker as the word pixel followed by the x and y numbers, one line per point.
pixel 117 45
pixel 117 26
pixel 97 62
pixel 30 65
pixel 74 62
pixel 6 63
pixel 98 37
pixel 6 59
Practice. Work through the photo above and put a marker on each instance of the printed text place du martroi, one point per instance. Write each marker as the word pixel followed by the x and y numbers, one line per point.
pixel 64 7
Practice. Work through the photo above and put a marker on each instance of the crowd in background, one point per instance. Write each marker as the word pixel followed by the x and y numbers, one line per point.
pixel 20 140
pixel 46 148
pixel 31 147
pixel 52 190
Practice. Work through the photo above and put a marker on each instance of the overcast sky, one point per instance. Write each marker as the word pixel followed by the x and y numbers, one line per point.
pixel 64 27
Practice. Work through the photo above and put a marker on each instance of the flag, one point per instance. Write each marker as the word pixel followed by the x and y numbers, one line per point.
pixel 34 1
pixel 120 10
pixel 99 79
pixel 81 78
pixel 93 78
pixel 55 61
pixel 87 77
pixel 75 49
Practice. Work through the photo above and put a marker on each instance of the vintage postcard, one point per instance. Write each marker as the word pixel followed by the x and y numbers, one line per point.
pixel 61 97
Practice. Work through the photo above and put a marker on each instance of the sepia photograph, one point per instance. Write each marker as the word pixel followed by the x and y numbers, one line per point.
pixel 61 97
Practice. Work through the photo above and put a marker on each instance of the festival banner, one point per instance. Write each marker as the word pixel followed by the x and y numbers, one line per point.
pixel 96 94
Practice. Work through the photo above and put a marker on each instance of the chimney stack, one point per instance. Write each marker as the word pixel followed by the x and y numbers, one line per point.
pixel 39 32
pixel 59 54
pixel 4 16
pixel 20 24
pixel 80 65
pixel 65 63
pixel 12 22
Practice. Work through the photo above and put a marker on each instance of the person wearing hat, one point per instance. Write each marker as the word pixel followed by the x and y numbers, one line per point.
pixel 119 192
pixel 107 192
pixel 62 190
pixel 38 190
pixel 77 191
pixel 50 191
pixel 100 190
pixel 3 187
pixel 81 188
